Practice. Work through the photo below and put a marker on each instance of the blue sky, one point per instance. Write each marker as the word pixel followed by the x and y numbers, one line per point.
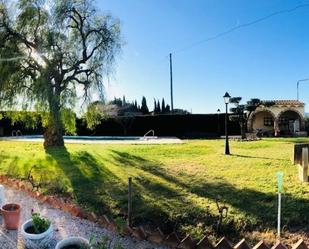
pixel 263 60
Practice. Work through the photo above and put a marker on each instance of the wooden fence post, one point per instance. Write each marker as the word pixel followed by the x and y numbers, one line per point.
pixel 130 202
pixel 303 168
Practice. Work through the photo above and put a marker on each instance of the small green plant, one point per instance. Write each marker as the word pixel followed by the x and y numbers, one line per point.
pixel 104 243
pixel 120 224
pixel 40 224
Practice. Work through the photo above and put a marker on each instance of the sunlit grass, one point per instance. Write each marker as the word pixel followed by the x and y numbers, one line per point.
pixel 175 186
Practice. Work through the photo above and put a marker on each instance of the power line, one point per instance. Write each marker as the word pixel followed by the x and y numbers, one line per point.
pixel 224 33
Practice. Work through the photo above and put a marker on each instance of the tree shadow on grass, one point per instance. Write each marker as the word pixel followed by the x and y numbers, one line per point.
pixel 164 200
pixel 153 167
pixel 261 206
pixel 257 157
pixel 97 188
pixel 93 185
pixel 256 209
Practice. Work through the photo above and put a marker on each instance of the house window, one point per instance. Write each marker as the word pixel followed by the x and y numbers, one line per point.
pixel 268 121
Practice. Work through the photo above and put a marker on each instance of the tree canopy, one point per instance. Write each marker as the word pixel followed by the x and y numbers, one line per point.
pixel 49 52
pixel 242 112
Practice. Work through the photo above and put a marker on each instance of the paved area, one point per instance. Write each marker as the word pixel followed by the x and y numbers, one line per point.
pixel 103 140
pixel 63 223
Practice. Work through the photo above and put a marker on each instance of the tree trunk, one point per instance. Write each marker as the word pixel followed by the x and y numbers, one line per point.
pixel 53 135
pixel 242 131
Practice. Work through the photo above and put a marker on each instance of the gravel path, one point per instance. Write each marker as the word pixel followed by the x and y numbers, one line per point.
pixel 63 223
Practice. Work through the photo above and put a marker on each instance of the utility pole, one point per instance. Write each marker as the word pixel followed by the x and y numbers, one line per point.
pixel 171 75
pixel 298 86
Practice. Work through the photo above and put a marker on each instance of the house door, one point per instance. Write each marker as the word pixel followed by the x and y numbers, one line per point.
pixel 296 125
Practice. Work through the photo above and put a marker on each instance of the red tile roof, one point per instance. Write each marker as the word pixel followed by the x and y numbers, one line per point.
pixel 286 102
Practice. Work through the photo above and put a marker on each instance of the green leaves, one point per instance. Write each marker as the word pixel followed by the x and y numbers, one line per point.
pixel 235 100
pixel 104 243
pixel 48 49
pixel 40 225
pixel 29 119
pixel 93 116
pixel 68 118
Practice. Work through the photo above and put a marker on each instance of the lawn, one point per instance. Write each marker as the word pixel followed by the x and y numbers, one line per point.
pixel 175 186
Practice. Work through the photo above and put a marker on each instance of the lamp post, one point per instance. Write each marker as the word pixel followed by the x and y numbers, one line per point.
pixel 298 86
pixel 218 114
pixel 226 98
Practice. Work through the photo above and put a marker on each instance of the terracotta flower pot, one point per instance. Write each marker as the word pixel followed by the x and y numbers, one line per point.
pixel 11 215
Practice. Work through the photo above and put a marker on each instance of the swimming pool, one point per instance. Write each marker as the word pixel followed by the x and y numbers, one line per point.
pixel 100 139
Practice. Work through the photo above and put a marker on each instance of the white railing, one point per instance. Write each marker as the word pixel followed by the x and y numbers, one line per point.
pixel 146 137
pixel 148 132
pixel 16 133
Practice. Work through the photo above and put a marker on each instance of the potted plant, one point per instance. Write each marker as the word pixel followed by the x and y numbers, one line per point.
pixel 37 232
pixel 11 215
pixel 73 243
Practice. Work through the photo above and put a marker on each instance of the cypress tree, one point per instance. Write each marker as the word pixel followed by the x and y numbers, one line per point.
pixel 168 108
pixel 144 108
pixel 163 106
pixel 155 106
pixel 158 107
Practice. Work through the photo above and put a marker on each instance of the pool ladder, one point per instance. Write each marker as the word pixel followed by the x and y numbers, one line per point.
pixel 148 132
pixel 16 133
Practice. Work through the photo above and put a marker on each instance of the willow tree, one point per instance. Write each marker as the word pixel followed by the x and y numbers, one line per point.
pixel 50 53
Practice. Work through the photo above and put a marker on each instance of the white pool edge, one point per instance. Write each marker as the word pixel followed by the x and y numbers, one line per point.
pixel 105 140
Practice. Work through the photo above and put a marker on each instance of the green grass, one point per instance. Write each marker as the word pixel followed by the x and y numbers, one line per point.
pixel 175 186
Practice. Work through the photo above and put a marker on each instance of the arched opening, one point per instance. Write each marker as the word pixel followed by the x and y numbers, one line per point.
pixel 262 120
pixel 290 122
